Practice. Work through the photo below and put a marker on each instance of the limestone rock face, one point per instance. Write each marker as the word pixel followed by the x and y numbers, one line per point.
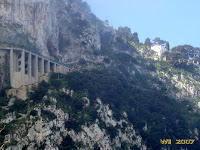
pixel 50 132
pixel 63 29
pixel 58 27
pixel 8 118
pixel 186 86
pixel 32 19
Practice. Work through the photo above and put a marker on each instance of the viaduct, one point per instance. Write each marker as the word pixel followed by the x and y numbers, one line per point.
pixel 27 68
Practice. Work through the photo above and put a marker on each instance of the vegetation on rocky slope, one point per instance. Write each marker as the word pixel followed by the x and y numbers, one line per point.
pixel 165 117
pixel 124 81
pixel 153 115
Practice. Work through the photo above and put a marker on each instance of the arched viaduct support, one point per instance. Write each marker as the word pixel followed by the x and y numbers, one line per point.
pixel 26 67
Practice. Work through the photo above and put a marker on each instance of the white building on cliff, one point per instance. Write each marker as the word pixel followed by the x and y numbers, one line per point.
pixel 160 49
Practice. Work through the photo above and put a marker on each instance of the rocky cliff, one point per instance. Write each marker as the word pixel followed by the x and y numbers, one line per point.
pixel 63 29
pixel 51 125
pixel 123 104
pixel 96 109
pixel 68 31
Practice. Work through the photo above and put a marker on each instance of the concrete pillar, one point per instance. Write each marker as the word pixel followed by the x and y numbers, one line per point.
pixel 55 68
pixel 29 67
pixel 48 66
pixel 23 67
pixel 42 66
pixel 11 67
pixel 36 68
pixel 45 66
pixel 14 62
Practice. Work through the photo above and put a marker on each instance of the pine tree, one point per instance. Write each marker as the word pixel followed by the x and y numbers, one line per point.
pixel 167 46
pixel 147 42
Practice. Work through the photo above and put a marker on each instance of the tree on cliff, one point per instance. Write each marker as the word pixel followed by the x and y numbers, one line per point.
pixel 135 37
pixel 157 40
pixel 125 33
pixel 147 42
pixel 167 46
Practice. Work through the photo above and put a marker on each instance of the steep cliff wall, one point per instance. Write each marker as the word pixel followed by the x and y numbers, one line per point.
pixel 29 18
pixel 59 27
pixel 63 29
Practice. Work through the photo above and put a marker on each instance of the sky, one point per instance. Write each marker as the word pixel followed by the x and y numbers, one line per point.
pixel 176 21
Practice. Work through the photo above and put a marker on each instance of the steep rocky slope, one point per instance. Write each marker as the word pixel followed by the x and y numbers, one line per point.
pixel 63 29
pixel 179 70
pixel 82 111
pixel 127 102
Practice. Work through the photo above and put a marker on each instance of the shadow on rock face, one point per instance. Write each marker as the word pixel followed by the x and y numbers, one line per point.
pixel 51 46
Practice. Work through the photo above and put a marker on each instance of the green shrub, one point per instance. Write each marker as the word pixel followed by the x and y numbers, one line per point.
pixel 77 104
pixel 42 147
pixel 82 61
pixel 67 144
pixel 124 70
pixel 39 92
pixel 63 100
pixel 3 91
pixel 47 115
pixel 33 113
pixel 106 60
pixel 73 124
pixel 4 101
pixel 112 131
pixel 25 147
pixel 135 148
pixel 47 102
pixel 124 146
pixel 56 83
pixel 96 147
pixel 19 106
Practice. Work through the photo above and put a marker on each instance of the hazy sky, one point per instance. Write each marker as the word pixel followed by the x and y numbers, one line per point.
pixel 176 21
